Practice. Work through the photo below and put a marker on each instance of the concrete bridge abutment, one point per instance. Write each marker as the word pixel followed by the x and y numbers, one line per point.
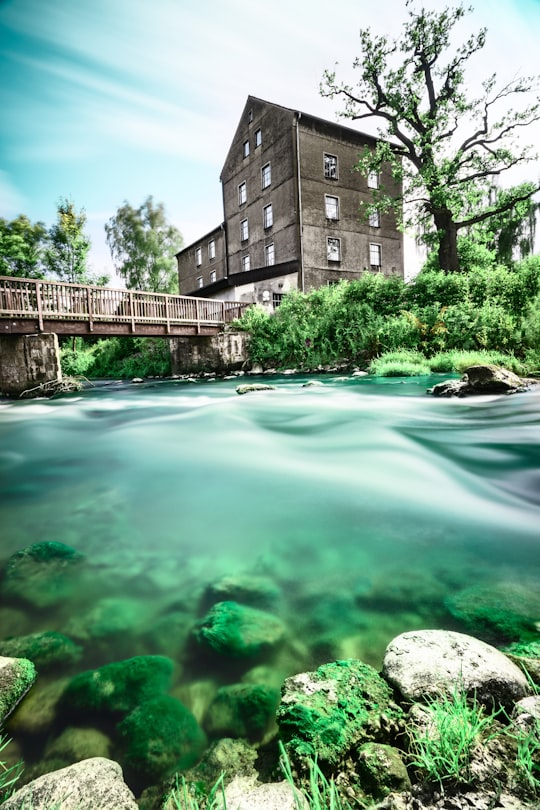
pixel 27 361
pixel 226 351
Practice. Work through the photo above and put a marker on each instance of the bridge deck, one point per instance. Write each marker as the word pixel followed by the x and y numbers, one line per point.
pixel 30 306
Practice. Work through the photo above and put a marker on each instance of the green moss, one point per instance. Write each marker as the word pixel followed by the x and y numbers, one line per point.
pixel 16 677
pixel 44 649
pixel 239 631
pixel 241 710
pixel 325 713
pixel 161 736
pixel 118 687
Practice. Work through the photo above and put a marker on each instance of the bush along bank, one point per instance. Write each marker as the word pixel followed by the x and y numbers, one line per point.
pixel 492 309
pixel 450 721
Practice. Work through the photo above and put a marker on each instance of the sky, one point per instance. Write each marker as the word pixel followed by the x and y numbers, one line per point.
pixel 107 101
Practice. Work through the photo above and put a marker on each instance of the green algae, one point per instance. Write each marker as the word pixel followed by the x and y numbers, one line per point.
pixel 239 631
pixel 119 687
pixel 340 705
pixel 499 612
pixel 161 736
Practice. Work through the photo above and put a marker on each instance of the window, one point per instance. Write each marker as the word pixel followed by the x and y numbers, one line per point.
pixel 375 257
pixel 373 180
pixel 242 193
pixel 258 138
pixel 268 216
pixel 244 230
pixel 266 176
pixel 198 257
pixel 330 167
pixel 245 263
pixel 212 276
pixel 245 149
pixel 199 282
pixel 250 116
pixel 333 249
pixel 374 220
pixel 269 255
pixel 211 249
pixel 331 205
pixel 277 298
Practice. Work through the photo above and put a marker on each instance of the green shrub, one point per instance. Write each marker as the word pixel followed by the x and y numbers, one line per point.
pixel 400 364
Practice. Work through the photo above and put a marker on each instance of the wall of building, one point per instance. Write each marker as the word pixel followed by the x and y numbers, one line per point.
pixel 190 271
pixel 318 138
pixel 27 361
pixel 275 126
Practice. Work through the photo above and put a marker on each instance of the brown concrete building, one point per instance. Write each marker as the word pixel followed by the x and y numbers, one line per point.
pixel 291 212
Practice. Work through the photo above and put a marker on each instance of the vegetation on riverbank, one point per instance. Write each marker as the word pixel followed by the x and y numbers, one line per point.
pixel 435 321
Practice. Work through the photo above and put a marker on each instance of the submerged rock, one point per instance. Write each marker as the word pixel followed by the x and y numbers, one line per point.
pixel 247 589
pixel 499 612
pixel 43 649
pixel 119 687
pixel 239 631
pixel 428 663
pixel 75 744
pixel 37 712
pixel 42 574
pixel 482 379
pixel 161 736
pixel 241 710
pixel 93 784
pixel 16 677
pixel 109 617
pixel 327 712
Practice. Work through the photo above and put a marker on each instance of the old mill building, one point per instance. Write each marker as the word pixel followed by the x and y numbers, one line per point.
pixel 291 212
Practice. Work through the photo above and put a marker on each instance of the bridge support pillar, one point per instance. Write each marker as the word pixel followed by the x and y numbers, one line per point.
pixel 27 361
pixel 226 351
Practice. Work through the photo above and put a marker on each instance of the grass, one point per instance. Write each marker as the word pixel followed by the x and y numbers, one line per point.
pixel 8 774
pixel 401 363
pixel 410 363
pixel 442 748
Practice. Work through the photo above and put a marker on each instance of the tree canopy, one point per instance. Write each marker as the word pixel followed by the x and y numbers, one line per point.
pixel 143 246
pixel 67 251
pixel 445 144
pixel 22 245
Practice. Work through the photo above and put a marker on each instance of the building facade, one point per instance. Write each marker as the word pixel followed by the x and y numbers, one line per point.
pixel 291 212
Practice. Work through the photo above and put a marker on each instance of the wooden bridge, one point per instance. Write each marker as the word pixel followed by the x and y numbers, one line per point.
pixel 34 306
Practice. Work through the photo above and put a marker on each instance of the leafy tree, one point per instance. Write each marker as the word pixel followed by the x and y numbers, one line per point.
pixel 443 144
pixel 143 246
pixel 22 246
pixel 512 231
pixel 67 253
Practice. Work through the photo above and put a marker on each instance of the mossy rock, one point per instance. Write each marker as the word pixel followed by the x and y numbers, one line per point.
pixel 119 687
pixel 42 574
pixel 16 677
pixel 225 757
pixel 340 705
pixel 498 613
pixel 47 649
pixel 160 736
pixel 241 710
pixel 249 388
pixel 239 631
pixel 382 770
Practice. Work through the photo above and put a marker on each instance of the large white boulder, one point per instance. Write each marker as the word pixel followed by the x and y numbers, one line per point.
pixel 426 663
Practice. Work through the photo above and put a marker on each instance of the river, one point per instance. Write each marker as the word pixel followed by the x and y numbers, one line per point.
pixel 365 504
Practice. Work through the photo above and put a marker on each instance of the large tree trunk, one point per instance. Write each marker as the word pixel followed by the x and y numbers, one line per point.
pixel 447 233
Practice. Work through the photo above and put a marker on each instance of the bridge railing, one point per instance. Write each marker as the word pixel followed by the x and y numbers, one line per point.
pixel 55 300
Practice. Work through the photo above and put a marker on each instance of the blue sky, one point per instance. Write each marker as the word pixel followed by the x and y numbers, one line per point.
pixel 111 100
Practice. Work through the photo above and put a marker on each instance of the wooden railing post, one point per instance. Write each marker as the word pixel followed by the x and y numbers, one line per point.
pixel 90 308
pixel 167 316
pixel 198 316
pixel 131 311
pixel 39 287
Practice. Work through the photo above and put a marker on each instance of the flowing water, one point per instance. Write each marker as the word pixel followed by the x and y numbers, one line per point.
pixel 364 503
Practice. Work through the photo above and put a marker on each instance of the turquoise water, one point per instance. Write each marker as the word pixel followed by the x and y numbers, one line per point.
pixel 365 503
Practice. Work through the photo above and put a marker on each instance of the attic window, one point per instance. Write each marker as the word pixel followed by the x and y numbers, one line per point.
pixel 250 116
